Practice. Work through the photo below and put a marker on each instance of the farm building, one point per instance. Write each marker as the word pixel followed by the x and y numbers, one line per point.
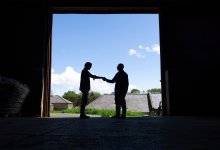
pixel 58 102
pixel 134 102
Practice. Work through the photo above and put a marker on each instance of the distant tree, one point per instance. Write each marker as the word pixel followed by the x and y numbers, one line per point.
pixel 76 98
pixel 154 90
pixel 93 96
pixel 135 91
pixel 73 97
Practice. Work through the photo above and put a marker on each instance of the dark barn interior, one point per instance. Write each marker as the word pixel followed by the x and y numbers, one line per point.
pixel 190 51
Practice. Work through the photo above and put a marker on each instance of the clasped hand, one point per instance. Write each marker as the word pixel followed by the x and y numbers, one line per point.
pixel 103 78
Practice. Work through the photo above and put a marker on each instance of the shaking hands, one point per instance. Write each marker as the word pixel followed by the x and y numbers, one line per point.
pixel 103 78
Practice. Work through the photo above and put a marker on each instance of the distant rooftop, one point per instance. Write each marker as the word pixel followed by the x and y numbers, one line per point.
pixel 58 99
pixel 134 102
pixel 155 100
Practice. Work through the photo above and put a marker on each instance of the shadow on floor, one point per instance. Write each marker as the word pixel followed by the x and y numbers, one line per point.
pixel 108 133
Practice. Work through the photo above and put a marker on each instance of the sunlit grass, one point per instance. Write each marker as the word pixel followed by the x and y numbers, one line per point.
pixel 104 113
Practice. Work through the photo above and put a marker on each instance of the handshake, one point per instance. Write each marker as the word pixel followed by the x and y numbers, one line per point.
pixel 103 78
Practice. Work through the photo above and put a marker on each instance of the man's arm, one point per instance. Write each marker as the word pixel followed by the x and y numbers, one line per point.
pixel 97 77
pixel 111 81
pixel 94 76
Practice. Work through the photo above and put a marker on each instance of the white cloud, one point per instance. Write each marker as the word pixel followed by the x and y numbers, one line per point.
pixel 135 53
pixel 70 80
pixel 152 48
pixel 156 48
pixel 101 86
pixel 140 47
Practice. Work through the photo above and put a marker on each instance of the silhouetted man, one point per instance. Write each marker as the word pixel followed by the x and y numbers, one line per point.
pixel 85 87
pixel 121 87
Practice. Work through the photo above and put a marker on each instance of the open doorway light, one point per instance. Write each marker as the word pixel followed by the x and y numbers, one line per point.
pixel 105 40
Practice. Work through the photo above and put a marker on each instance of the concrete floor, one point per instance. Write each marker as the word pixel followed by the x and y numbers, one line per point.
pixel 96 133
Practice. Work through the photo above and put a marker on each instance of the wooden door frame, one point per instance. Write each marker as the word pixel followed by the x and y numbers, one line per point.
pixel 95 7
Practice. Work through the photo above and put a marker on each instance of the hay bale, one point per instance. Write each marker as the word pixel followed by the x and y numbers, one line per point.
pixel 12 95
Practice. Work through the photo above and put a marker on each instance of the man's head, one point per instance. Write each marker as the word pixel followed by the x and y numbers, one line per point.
pixel 120 67
pixel 88 65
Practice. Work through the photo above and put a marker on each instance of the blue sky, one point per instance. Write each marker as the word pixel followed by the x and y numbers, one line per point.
pixel 105 40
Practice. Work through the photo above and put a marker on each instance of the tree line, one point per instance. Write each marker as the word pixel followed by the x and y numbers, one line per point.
pixel 76 98
pixel 153 90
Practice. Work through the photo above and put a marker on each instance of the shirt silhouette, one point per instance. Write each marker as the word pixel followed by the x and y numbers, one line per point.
pixel 121 87
pixel 85 87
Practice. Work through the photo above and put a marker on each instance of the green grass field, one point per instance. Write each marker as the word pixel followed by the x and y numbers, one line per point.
pixel 104 113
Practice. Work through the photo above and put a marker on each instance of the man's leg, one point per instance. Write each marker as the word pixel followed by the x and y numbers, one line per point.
pixel 117 108
pixel 83 104
pixel 117 113
pixel 123 104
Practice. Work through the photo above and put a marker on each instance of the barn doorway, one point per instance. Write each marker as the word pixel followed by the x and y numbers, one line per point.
pixel 105 40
